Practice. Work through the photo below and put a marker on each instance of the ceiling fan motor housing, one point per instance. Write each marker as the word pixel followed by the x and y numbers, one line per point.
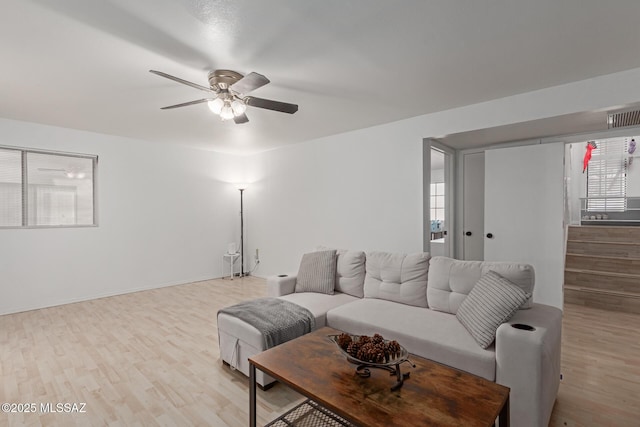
pixel 222 79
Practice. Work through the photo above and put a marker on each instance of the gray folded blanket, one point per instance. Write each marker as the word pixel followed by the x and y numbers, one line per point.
pixel 277 320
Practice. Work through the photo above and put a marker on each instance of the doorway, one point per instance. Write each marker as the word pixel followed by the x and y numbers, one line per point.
pixel 438 198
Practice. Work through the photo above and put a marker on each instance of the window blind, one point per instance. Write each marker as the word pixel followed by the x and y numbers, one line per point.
pixel 46 189
pixel 607 176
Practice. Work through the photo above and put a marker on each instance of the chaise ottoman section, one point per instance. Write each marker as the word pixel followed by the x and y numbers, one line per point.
pixel 239 340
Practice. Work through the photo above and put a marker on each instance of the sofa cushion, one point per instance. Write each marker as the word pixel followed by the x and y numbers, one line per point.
pixel 490 303
pixel 349 271
pixel 431 334
pixel 317 272
pixel 397 277
pixel 520 274
pixel 451 280
pixel 319 304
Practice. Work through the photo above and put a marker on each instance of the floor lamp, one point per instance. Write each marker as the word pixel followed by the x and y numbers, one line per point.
pixel 241 233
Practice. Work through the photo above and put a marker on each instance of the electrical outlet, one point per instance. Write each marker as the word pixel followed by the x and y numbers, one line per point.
pixel 257 255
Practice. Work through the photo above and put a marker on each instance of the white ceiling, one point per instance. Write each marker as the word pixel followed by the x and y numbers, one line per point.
pixel 349 64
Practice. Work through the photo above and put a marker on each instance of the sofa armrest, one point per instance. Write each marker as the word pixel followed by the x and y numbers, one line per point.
pixel 281 285
pixel 528 361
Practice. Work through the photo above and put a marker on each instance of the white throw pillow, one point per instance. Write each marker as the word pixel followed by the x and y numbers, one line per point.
pixel 349 271
pixel 317 272
pixel 491 302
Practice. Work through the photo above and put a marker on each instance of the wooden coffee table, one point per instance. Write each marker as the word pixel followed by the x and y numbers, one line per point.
pixel 433 395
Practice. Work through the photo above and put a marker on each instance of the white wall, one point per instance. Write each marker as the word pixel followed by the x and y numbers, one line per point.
pixel 633 176
pixel 633 172
pixel 358 190
pixel 576 181
pixel 165 216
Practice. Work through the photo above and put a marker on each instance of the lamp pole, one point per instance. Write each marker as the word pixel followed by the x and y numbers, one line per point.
pixel 241 235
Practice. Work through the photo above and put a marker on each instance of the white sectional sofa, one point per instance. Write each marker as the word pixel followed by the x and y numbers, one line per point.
pixel 414 300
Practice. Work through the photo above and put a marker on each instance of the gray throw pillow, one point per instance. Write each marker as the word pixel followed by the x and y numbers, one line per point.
pixel 491 302
pixel 317 272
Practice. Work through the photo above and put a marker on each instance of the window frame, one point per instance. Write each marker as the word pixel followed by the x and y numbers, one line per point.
pixel 25 187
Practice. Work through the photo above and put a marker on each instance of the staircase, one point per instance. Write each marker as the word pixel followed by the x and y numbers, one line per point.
pixel 602 268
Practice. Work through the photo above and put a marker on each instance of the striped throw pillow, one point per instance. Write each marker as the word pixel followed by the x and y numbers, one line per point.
pixel 317 272
pixel 491 302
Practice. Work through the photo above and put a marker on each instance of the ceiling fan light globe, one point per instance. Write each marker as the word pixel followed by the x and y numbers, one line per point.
pixel 226 113
pixel 238 107
pixel 216 105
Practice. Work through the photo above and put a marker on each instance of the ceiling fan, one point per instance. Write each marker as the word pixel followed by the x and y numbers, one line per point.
pixel 228 91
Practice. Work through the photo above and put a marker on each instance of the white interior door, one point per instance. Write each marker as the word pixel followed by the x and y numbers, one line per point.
pixel 473 206
pixel 524 199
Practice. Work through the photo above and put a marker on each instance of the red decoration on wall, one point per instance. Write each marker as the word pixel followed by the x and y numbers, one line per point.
pixel 591 145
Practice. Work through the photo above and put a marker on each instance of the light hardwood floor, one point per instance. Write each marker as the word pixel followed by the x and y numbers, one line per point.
pixel 151 358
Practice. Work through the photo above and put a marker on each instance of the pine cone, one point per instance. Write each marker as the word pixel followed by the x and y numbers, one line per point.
pixel 344 340
pixel 367 352
pixel 393 348
pixel 379 356
pixel 353 349
pixel 364 339
pixel 370 349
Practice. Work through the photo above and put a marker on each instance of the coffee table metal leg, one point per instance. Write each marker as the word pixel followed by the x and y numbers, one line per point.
pixel 252 395
pixel 504 414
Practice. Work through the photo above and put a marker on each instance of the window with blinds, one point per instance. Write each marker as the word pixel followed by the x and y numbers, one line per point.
pixel 607 176
pixel 46 189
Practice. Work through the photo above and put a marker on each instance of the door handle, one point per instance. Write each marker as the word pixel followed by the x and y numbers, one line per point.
pixel 489 236
pixel 468 233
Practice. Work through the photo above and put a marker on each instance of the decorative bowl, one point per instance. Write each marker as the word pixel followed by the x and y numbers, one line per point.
pixel 392 360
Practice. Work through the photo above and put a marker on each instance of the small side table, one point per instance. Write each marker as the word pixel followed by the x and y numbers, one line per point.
pixel 232 260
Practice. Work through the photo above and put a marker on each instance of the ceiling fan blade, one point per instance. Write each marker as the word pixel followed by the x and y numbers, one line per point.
pixel 242 118
pixel 268 104
pixel 179 80
pixel 251 81
pixel 184 104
